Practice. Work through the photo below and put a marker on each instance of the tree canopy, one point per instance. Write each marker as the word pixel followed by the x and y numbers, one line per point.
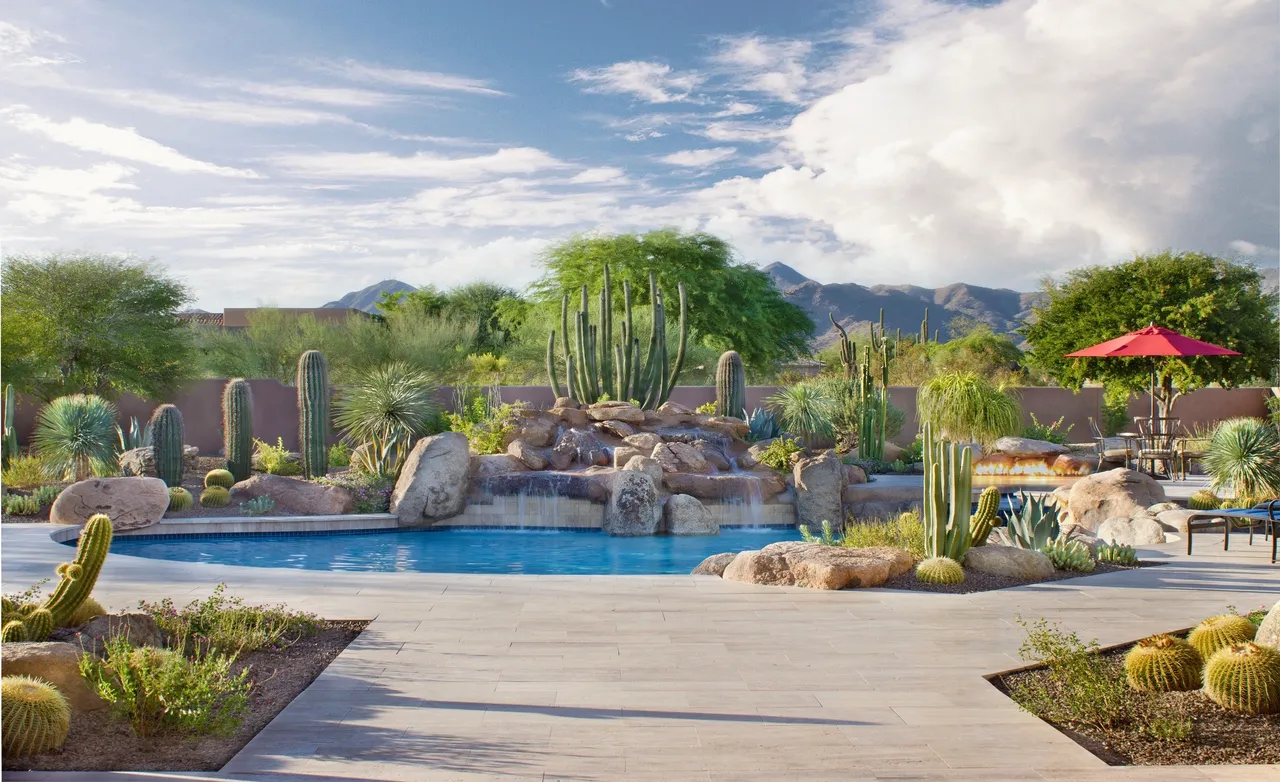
pixel 1201 296
pixel 98 324
pixel 477 304
pixel 732 306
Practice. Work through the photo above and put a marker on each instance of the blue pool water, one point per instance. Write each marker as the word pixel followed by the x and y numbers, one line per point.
pixel 535 552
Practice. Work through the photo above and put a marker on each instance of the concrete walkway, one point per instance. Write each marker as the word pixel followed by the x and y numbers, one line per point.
pixel 668 678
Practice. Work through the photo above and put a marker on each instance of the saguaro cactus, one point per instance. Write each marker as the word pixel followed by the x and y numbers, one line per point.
pixel 313 413
pixel 237 427
pixel 167 436
pixel 948 496
pixel 10 448
pixel 731 386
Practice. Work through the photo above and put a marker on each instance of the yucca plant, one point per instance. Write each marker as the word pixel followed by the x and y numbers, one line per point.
pixel 393 401
pixel 965 406
pixel 1244 455
pixel 75 436
pixel 805 409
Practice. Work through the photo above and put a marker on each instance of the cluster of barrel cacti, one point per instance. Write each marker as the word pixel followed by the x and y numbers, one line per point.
pixel 948 497
pixel 167 436
pixel 984 519
pixel 76 580
pixel 731 386
pixel 237 427
pixel 222 478
pixel 1220 655
pixel 596 367
pixel 215 497
pixel 939 570
pixel 313 414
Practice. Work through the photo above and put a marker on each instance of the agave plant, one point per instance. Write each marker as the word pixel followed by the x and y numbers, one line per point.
pixel 392 401
pixel 1244 455
pixel 764 425
pixel 804 409
pixel 1032 528
pixel 381 458
pixel 965 406
pixel 75 436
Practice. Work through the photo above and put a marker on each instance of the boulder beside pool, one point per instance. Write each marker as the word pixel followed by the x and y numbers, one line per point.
pixel 131 503
pixel 433 481
pixel 295 496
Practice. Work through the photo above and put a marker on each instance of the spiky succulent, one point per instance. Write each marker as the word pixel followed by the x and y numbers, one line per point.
pixel 258 506
pixel 180 499
pixel 35 716
pixel 764 425
pixel 89 609
pixel 1203 499
pixel 222 478
pixel 1118 554
pixel 1163 663
pixel 1034 526
pixel 215 497
pixel 1218 632
pixel 1070 555
pixel 1244 677
pixel 21 504
pixel 939 570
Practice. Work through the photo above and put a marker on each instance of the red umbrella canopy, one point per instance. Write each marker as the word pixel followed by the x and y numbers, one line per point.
pixel 1152 341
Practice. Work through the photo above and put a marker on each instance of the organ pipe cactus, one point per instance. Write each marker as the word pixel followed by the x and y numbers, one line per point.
pixel 1218 632
pixel 873 401
pixel 313 414
pixel 948 496
pixel 595 366
pixel 167 436
pixel 35 716
pixel 10 446
pixel 76 580
pixel 1244 677
pixel 237 427
pixel 985 518
pixel 1163 663
pixel 731 385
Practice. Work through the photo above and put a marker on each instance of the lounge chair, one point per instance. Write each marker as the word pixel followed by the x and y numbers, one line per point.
pixel 1268 513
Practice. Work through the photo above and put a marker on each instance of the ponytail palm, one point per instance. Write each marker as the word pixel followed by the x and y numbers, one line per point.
pixel 76 436
pixel 1244 455
pixel 966 406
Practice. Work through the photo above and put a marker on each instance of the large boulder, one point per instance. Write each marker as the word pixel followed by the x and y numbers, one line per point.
pixel 634 507
pixel 56 663
pixel 674 409
pixel 1027 448
pixel 1269 630
pixel 141 462
pixel 537 430
pixel 1137 531
pixel 813 565
pixel 647 465
pixel 619 429
pixel 138 628
pixel 680 457
pixel 583 446
pixel 616 411
pixel 726 425
pixel 1176 520
pixel 685 515
pixel 294 496
pixel 496 464
pixel 433 481
pixel 132 503
pixel 1114 493
pixel 644 441
pixel 714 565
pixel 625 453
pixel 761 485
pixel 529 455
pixel 570 416
pixel 819 484
pixel 713 455
pixel 893 452
pixel 1022 564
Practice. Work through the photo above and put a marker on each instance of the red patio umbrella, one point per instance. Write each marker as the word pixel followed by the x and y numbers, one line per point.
pixel 1153 341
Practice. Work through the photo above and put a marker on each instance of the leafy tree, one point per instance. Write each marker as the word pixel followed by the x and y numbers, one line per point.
pixel 1198 295
pixel 731 305
pixel 98 324
pixel 480 303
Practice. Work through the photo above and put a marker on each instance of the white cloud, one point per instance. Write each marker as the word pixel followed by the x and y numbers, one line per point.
pixel 598 175
pixel 364 165
pixel 19 47
pixel 401 77
pixel 123 143
pixel 229 111
pixel 1245 248
pixel 699 158
pixel 772 67
pixel 654 82
pixel 353 97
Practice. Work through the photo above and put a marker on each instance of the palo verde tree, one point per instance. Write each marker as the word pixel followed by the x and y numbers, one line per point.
pixel 732 306
pixel 1203 297
pixel 92 324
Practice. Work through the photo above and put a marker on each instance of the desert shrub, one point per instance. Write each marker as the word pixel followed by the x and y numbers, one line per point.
pixel 904 532
pixel 1244 455
pixel 1081 689
pixel 484 419
pixel 274 459
pixel 25 472
pixel 706 408
pixel 807 409
pixel 258 506
pixel 1051 432
pixel 372 492
pixel 75 437
pixel 394 400
pixel 339 455
pixel 1115 410
pixel 225 625
pixel 777 454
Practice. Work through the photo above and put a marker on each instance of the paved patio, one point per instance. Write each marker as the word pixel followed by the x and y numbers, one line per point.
pixel 519 678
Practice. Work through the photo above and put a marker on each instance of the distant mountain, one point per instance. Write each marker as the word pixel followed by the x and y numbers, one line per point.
pixel 854 306
pixel 367 298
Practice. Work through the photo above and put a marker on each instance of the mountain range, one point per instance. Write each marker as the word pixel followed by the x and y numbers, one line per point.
pixel 367 298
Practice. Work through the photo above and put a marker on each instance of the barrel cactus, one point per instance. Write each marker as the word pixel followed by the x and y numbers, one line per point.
pixel 1203 499
pixel 984 519
pixel 215 497
pixel 35 716
pixel 1244 677
pixel 1163 663
pixel 1218 632
pixel 939 570
pixel 731 385
pixel 1118 554
pixel 237 427
pixel 166 438
pixel 222 478
pixel 1070 555
pixel 313 414
pixel 89 609
pixel 180 499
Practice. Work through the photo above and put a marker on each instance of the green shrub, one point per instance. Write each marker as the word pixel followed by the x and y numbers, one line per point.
pixel 21 505
pixel 967 407
pixel 1244 455
pixel 828 536
pixel 807 409
pixel 1047 432
pixel 225 625
pixel 1080 690
pixel 340 455
pixel 1115 410
pixel 904 532
pixel 777 454
pixel 25 472
pixel 75 437
pixel 372 491
pixel 484 419
pixel 707 408
pixel 275 459
pixel 159 690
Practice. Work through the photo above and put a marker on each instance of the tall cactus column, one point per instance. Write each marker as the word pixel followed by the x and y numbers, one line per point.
pixel 313 413
pixel 167 435
pixel 948 497
pixel 237 427
pixel 731 385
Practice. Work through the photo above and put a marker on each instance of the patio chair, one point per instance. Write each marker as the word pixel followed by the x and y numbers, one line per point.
pixel 1105 453
pixel 1155 446
pixel 1186 451
pixel 1264 513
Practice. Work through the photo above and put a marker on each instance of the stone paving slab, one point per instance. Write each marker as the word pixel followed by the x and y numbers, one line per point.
pixel 675 677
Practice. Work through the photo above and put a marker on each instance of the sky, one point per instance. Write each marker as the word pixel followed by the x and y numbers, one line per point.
pixel 291 151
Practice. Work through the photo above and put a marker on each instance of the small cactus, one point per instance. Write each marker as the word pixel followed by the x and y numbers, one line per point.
pixel 35 716
pixel 731 386
pixel 14 631
pixel 1218 632
pixel 1163 663
pixel 180 499
pixel 1203 499
pixel 1118 554
pixel 237 427
pixel 940 570
pixel 1244 677
pixel 89 609
pixel 984 519
pixel 167 435
pixel 1070 555
pixel 215 497
pixel 222 478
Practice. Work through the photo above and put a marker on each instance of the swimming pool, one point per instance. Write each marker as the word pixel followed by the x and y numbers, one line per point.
pixel 492 551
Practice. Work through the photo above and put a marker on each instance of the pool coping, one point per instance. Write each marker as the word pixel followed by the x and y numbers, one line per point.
pixel 233 525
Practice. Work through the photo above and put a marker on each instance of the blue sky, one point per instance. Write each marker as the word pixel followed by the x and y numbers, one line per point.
pixel 288 152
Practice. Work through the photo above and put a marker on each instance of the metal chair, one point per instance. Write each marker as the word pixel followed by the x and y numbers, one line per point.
pixel 1156 445
pixel 1186 451
pixel 1105 453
